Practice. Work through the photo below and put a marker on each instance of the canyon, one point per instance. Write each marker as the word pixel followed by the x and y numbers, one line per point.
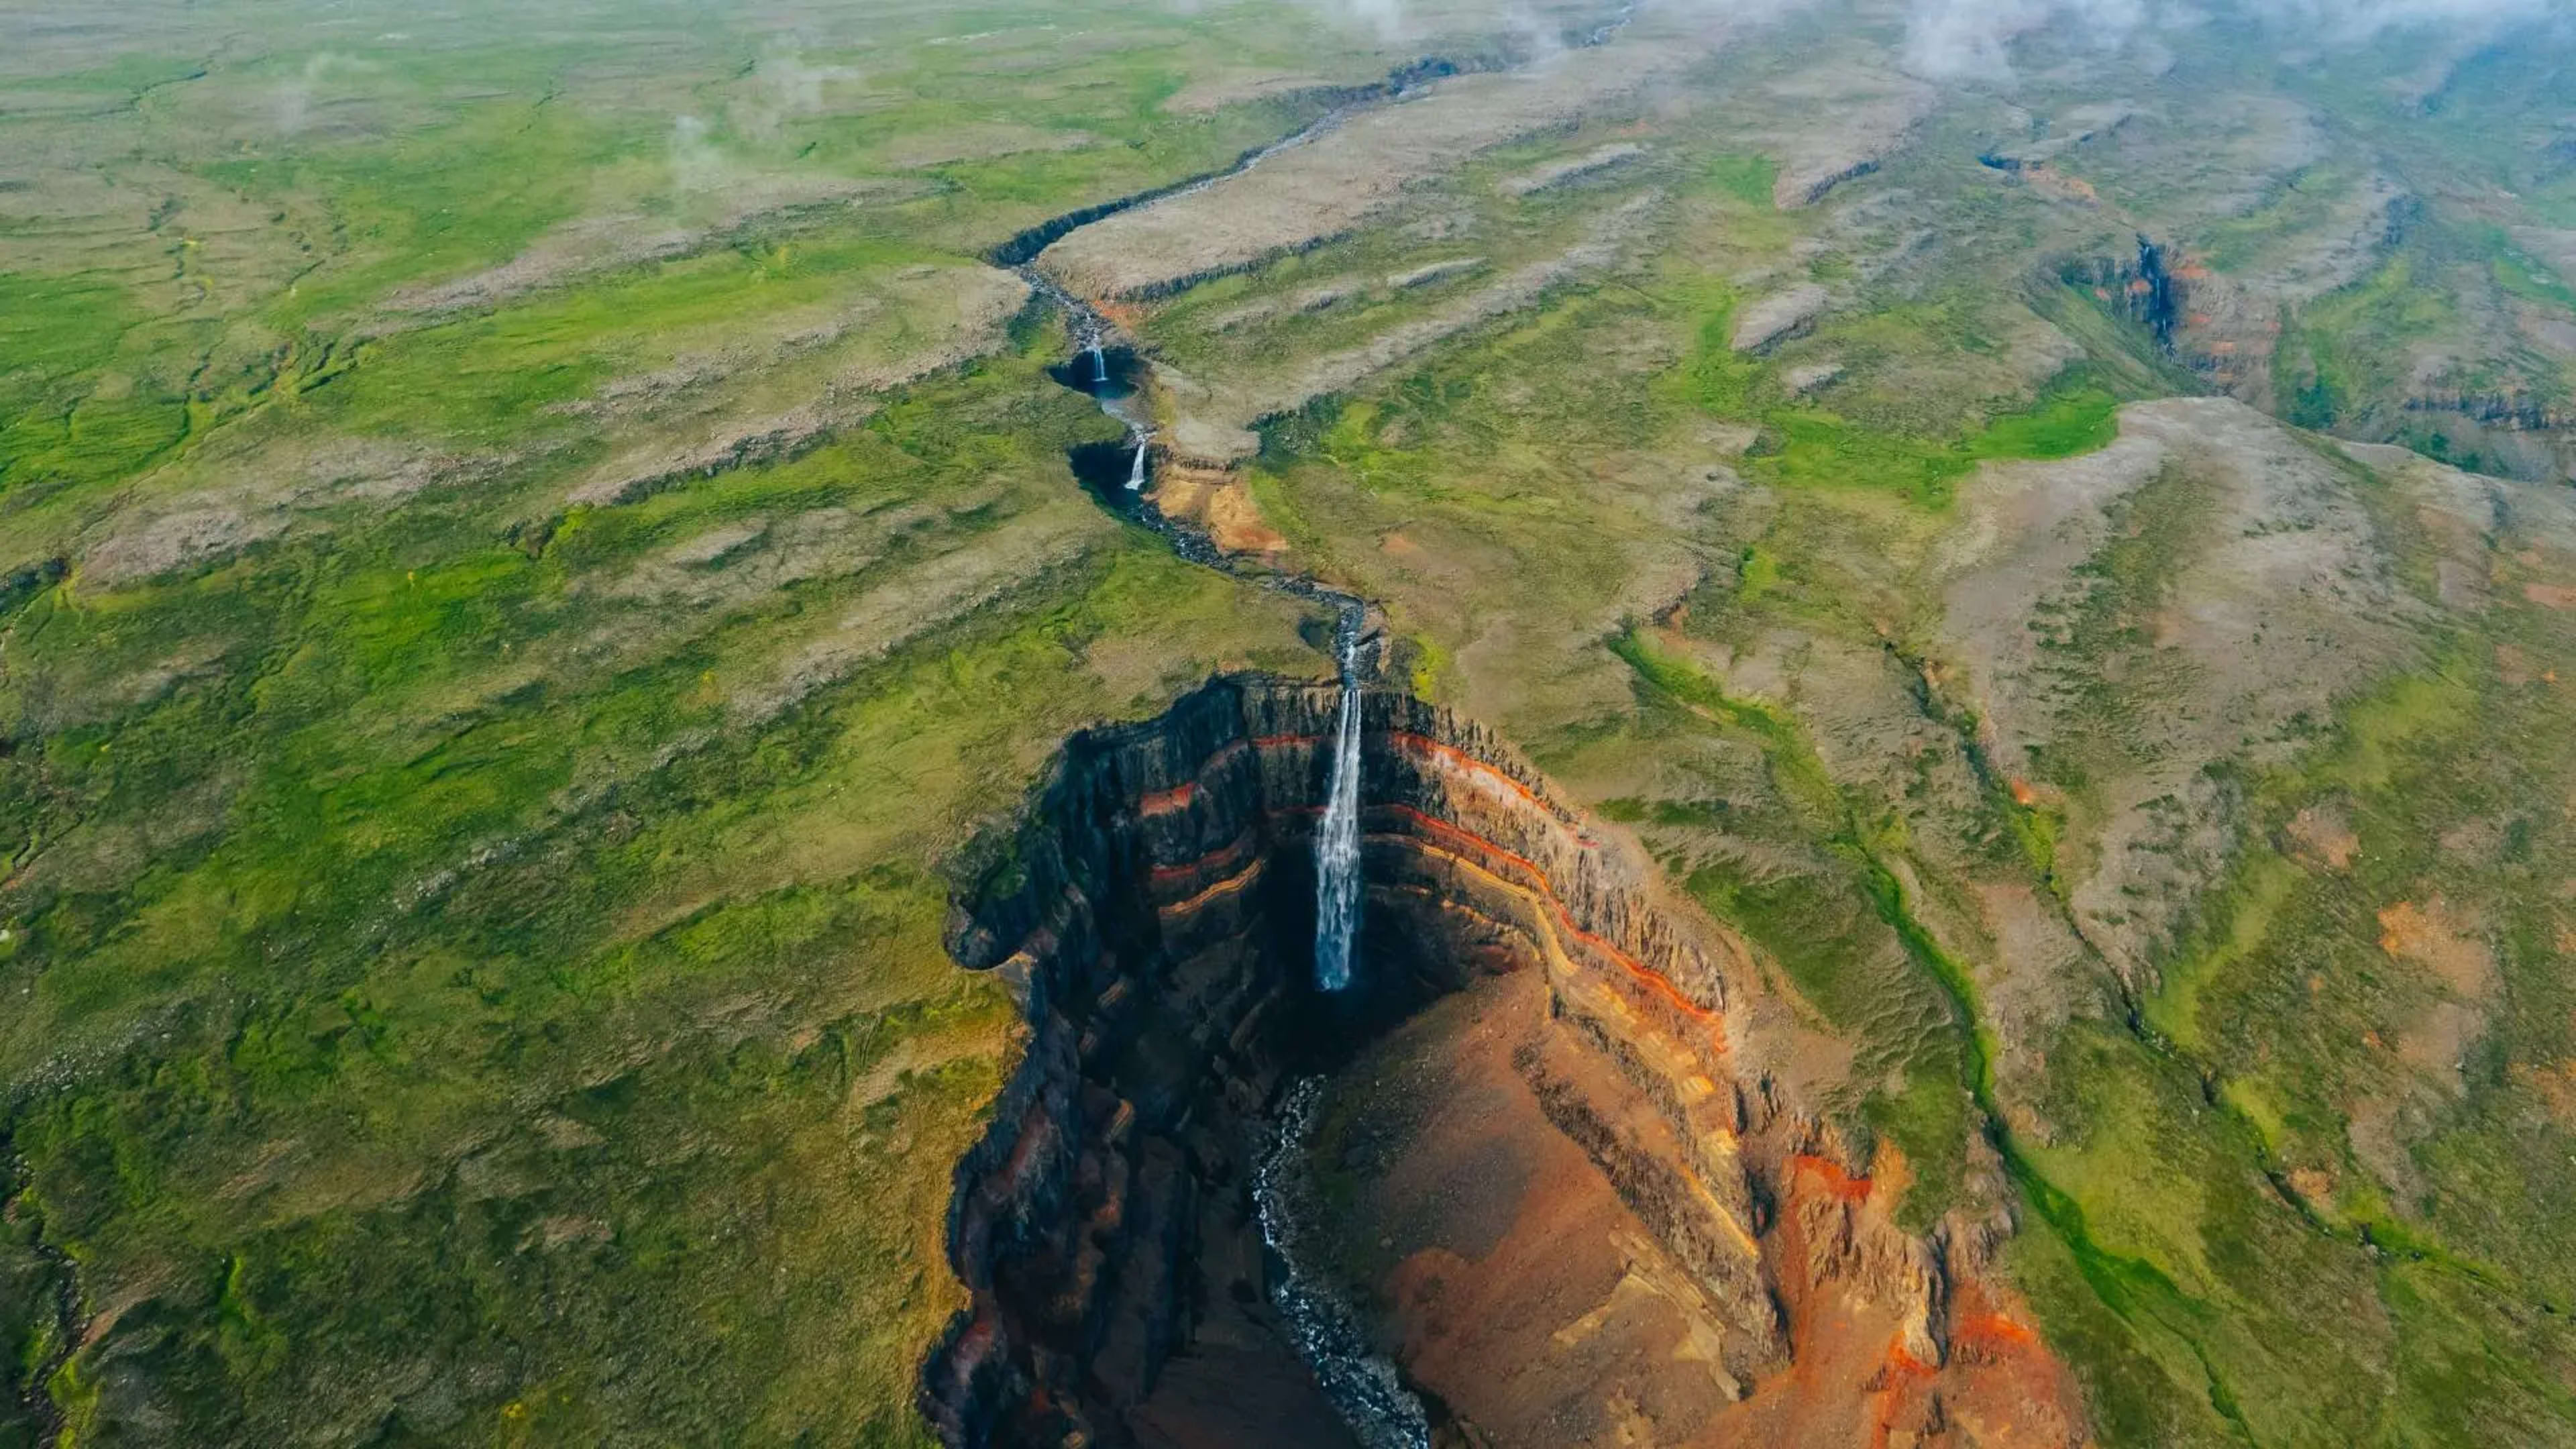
pixel 1617 1206
pixel 1623 1209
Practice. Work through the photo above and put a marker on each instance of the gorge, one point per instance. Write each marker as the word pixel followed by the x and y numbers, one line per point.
pixel 1182 1225
pixel 1614 1072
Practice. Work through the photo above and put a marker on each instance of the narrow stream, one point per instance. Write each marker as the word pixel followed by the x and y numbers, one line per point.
pixel 1365 1388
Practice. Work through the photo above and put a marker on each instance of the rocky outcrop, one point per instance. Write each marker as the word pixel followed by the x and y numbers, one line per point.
pixel 1156 911
pixel 1783 315
pixel 1568 170
pixel 2141 288
pixel 1854 118
pixel 2510 411
pixel 1218 422
pixel 1341 175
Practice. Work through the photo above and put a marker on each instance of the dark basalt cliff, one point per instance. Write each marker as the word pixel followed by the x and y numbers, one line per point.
pixel 1157 910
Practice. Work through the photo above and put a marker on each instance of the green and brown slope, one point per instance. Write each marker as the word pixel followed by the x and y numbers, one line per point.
pixel 532 544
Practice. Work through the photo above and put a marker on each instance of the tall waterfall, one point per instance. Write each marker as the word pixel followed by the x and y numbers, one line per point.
pixel 1099 366
pixel 1136 474
pixel 1337 839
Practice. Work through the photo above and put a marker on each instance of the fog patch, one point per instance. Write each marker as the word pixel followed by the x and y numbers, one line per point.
pixel 786 87
pixel 293 104
pixel 696 163
pixel 1971 40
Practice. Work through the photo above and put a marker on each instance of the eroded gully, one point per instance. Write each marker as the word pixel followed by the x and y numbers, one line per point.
pixel 1364 1387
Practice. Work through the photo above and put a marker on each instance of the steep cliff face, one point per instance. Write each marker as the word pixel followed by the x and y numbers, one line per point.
pixel 2142 288
pixel 1157 911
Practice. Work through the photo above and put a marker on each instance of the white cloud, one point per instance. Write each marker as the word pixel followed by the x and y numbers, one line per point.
pixel 696 164
pixel 786 86
pixel 1386 17
pixel 294 100
pixel 1972 39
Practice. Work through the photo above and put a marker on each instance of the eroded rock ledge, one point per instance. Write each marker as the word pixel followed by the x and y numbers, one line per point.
pixel 1156 909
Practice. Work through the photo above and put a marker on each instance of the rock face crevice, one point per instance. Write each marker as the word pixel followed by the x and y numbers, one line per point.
pixel 1156 911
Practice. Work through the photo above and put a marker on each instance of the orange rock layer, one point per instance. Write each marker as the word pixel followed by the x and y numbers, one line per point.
pixel 1157 910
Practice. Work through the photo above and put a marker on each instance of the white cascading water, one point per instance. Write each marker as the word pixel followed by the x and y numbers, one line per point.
pixel 1099 366
pixel 1337 839
pixel 1136 474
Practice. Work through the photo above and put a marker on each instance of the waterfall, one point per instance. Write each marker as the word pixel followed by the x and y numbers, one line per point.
pixel 1136 474
pixel 1337 839
pixel 1099 365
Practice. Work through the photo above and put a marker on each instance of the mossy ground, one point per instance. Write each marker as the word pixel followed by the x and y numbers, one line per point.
pixel 474 956
pixel 475 960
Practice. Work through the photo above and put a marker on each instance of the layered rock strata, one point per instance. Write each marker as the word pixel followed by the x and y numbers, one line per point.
pixel 1156 909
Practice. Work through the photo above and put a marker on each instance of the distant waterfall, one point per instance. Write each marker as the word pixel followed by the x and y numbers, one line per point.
pixel 1099 366
pixel 1337 840
pixel 1136 474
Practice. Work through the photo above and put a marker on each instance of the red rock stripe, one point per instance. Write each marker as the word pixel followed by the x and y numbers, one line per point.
pixel 1839 1183
pixel 1231 883
pixel 1654 980
pixel 1454 754
pixel 1164 802
pixel 1189 869
pixel 1449 753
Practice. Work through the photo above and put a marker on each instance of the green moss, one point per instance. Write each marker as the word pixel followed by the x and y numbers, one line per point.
pixel 2521 274
pixel 1757 573
pixel 1430 661
pixel 64 421
pixel 1817 449
pixel 2074 416
pixel 2361 758
pixel 1746 179
pixel 439 203
pixel 2150 1372
pixel 2294 212
pixel 55 330
pixel 498 375
pixel 1807 446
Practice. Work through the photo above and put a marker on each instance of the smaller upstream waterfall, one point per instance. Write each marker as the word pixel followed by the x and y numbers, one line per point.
pixel 1099 365
pixel 1136 474
pixel 1362 1385
pixel 1337 839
